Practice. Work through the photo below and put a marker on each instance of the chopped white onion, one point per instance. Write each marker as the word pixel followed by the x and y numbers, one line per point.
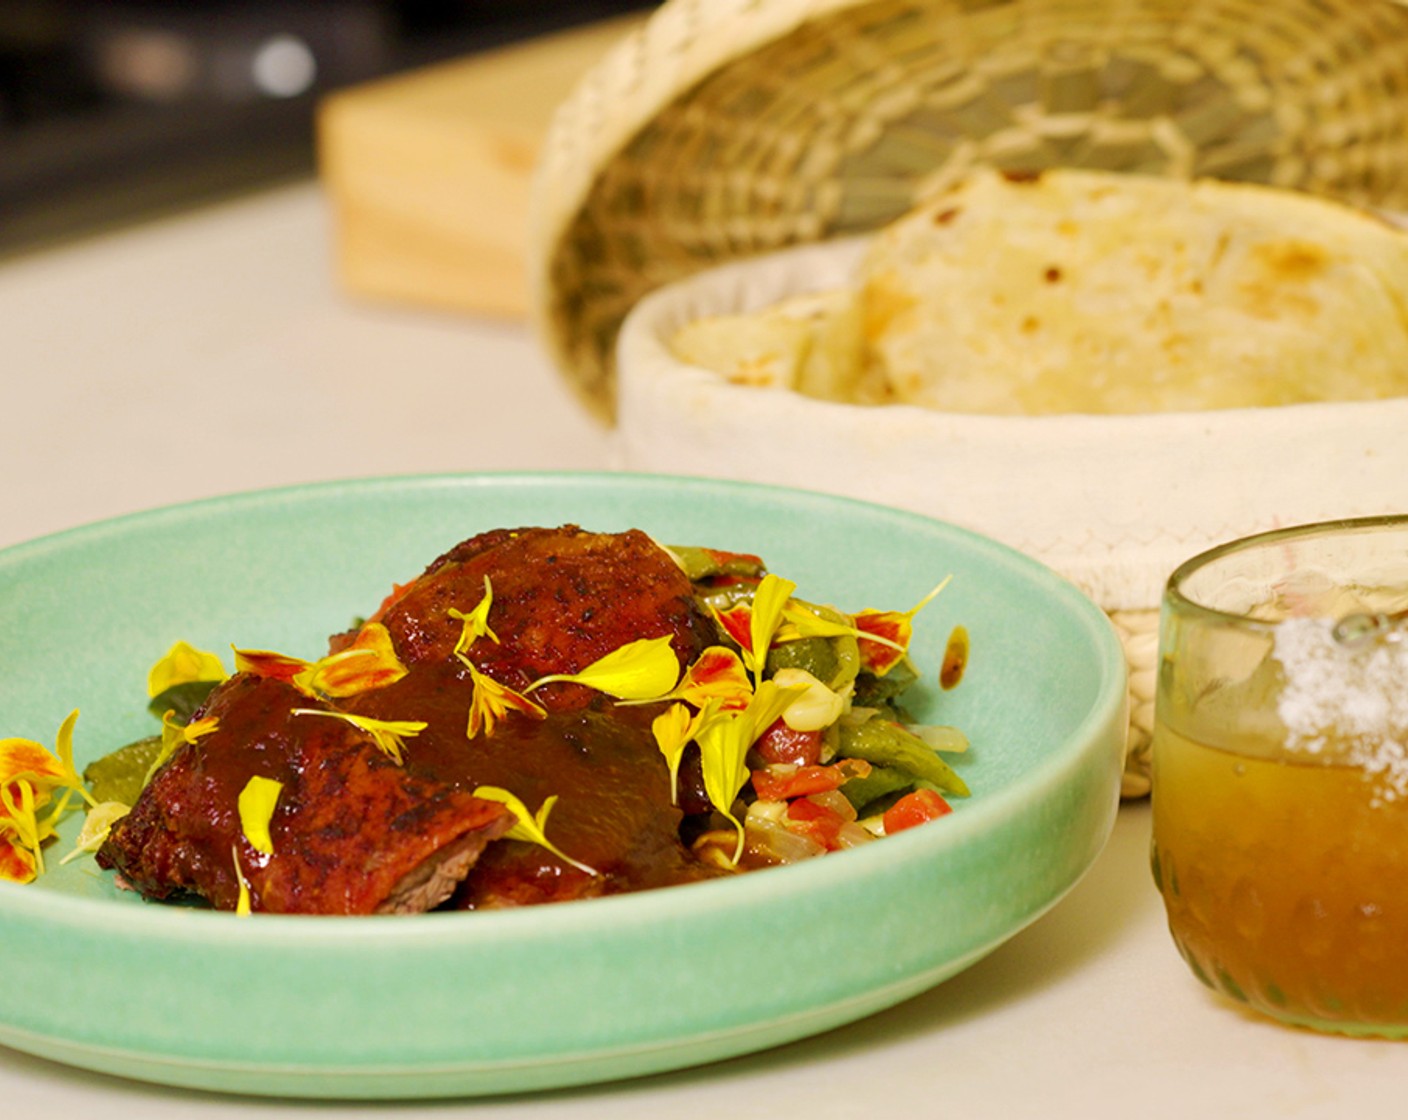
pixel 853 833
pixel 940 737
pixel 815 708
pixel 837 802
pixel 771 841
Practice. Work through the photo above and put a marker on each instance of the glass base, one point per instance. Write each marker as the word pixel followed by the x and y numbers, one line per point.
pixel 1273 1004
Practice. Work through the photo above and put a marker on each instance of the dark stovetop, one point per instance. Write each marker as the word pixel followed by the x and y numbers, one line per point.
pixel 112 110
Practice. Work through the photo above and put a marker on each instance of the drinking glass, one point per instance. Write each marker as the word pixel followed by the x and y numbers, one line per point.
pixel 1280 772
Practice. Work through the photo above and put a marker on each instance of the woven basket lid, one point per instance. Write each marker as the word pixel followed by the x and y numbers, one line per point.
pixel 727 128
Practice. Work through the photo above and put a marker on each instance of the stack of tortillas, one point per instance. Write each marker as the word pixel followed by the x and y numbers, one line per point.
pixel 1092 292
pixel 727 156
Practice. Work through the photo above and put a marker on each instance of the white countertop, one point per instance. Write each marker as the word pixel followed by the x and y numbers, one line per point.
pixel 212 353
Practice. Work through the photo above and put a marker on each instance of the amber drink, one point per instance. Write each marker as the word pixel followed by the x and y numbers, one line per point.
pixel 1281 773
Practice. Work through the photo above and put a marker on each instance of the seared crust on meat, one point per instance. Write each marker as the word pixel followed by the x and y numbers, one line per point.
pixel 354 833
pixel 562 599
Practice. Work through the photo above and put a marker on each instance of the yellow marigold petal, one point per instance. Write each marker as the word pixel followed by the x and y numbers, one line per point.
pixel 529 827
pixel 723 747
pixel 200 728
pixel 724 740
pixel 386 734
pixel 645 669
pixel 673 729
pixel 256 806
pixel 801 621
pixel 63 746
pixel 369 662
pixel 242 904
pixel 476 622
pixel 182 664
pixel 769 601
pixel 175 735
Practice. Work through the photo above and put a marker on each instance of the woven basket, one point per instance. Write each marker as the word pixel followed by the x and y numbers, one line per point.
pixel 724 129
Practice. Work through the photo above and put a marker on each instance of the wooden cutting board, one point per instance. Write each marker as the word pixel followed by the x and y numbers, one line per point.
pixel 428 172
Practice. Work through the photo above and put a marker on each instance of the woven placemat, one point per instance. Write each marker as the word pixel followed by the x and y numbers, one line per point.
pixel 726 128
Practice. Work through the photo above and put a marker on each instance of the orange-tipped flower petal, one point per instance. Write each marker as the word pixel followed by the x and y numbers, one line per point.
pixel 30 776
pixel 737 623
pixel 369 662
pixel 894 630
pixel 43 770
pixel 716 674
pixel 17 863
pixel 28 759
pixel 754 625
pixel 491 701
pixel 267 663
pixel 20 831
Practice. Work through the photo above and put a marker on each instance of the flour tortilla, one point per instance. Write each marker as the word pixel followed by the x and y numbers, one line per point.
pixel 810 344
pixel 1091 292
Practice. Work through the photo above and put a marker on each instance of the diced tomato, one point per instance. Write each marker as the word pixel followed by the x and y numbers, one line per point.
pixel 816 822
pixel 779 743
pixel 919 807
pixel 783 783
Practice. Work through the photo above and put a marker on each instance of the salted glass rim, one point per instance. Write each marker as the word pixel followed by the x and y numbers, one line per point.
pixel 1176 598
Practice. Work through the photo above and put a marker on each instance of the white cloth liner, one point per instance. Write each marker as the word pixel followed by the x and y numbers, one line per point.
pixel 1113 503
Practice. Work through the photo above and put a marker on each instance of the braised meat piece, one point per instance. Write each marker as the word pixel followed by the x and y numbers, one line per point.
pixel 356 830
pixel 619 822
pixel 562 598
pixel 353 832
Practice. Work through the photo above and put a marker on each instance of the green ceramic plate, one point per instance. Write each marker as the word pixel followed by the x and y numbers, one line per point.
pixel 468 1004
